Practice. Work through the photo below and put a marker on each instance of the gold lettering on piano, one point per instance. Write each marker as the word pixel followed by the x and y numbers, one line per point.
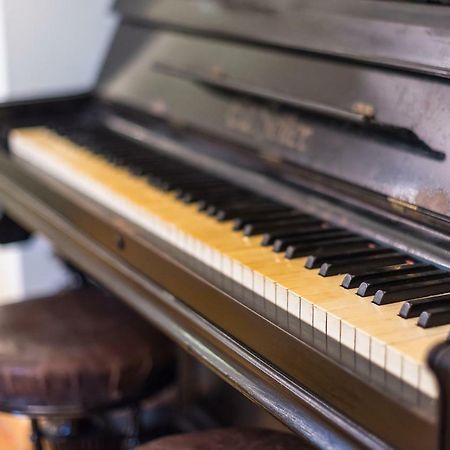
pixel 266 125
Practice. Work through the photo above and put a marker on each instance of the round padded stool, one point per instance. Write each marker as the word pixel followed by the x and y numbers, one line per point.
pixel 229 439
pixel 77 353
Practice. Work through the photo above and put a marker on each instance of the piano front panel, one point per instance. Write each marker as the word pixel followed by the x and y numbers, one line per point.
pixel 360 129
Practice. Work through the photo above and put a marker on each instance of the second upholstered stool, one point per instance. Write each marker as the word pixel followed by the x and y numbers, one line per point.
pixel 229 439
pixel 67 357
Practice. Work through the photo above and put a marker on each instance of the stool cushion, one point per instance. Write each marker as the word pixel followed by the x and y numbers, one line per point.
pixel 75 351
pixel 229 439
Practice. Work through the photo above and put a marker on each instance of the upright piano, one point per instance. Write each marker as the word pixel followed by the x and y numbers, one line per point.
pixel 269 183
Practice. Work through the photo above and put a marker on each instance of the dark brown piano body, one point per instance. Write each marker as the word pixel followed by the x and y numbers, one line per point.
pixel 375 90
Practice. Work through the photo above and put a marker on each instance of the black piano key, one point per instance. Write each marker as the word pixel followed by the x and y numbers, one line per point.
pixel 195 196
pixel 199 189
pixel 368 288
pixel 211 200
pixel 160 171
pixel 339 253
pixel 412 291
pixel 413 308
pixel 204 198
pixel 144 160
pixel 191 197
pixel 270 238
pixel 163 168
pixel 183 183
pixel 227 208
pixel 266 219
pixel 161 183
pixel 213 194
pixel 435 317
pixel 353 280
pixel 339 244
pixel 373 262
pixel 197 183
pixel 260 228
pixel 234 211
pixel 251 217
pixel 281 244
pixel 180 182
pixel 138 170
pixel 230 209
pixel 131 161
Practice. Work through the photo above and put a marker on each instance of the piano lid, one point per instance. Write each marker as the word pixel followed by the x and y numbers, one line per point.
pixel 408 34
pixel 376 118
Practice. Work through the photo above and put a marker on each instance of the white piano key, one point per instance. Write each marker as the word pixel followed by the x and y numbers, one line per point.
pixel 207 255
pixel 270 297
pixel 320 319
pixel 307 312
pixel 362 343
pixel 294 305
pixel 189 248
pixel 282 306
pixel 247 281
pixel 216 260
pixel 348 335
pixel 428 383
pixel 258 286
pixel 236 272
pixel 394 362
pixel 227 266
pixel 410 372
pixel 334 327
pixel 378 352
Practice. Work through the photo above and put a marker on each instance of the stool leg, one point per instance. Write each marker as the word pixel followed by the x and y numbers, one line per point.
pixel 133 433
pixel 36 434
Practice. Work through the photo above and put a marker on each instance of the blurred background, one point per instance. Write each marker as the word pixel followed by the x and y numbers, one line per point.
pixel 52 47
pixel 47 48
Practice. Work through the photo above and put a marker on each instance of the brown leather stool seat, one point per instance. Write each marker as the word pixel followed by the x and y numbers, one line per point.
pixel 74 352
pixel 229 439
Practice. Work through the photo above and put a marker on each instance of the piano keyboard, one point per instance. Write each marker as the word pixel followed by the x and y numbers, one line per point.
pixel 376 302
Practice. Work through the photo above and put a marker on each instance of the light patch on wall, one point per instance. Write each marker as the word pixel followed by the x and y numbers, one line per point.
pixel 3 55
pixel 54 47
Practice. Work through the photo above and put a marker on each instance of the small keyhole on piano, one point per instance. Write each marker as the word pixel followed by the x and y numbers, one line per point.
pixel 120 242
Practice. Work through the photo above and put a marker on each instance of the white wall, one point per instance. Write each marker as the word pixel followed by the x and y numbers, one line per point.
pixel 3 54
pixel 52 47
